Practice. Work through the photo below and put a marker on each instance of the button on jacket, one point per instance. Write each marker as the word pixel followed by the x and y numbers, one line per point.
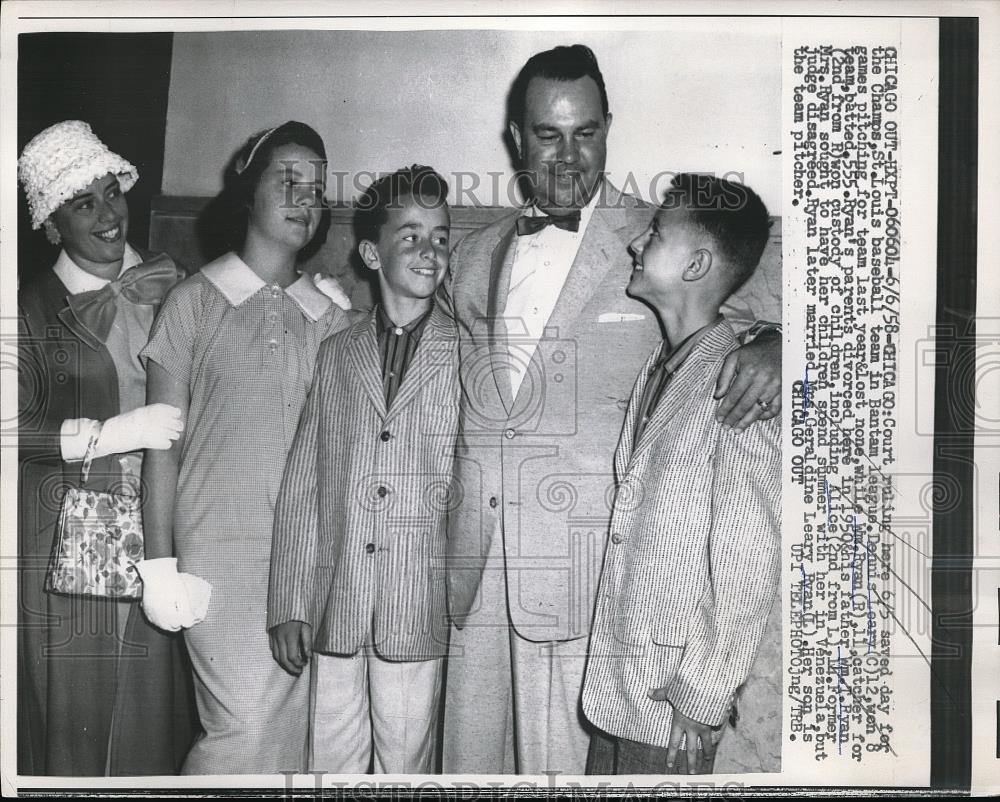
pixel 359 538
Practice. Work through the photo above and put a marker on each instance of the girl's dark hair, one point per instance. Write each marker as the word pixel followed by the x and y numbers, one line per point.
pixel 223 224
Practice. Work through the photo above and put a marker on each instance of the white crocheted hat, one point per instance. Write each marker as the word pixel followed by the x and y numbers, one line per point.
pixel 62 160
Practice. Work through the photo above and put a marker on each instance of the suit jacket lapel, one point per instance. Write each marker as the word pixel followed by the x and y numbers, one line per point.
pixel 431 357
pixel 678 391
pixel 600 247
pixel 689 378
pixel 367 363
pixel 503 263
pixel 623 454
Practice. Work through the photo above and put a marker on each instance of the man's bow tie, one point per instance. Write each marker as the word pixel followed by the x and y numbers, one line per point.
pixel 532 225
pixel 144 284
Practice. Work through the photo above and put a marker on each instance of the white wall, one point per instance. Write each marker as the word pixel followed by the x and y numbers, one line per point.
pixel 692 98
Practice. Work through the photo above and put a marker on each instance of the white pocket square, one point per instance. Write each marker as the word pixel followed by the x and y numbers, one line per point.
pixel 619 317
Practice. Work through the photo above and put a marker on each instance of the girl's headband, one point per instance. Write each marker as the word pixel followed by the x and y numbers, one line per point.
pixel 242 166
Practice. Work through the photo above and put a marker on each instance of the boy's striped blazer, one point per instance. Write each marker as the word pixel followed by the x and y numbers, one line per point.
pixel 359 531
pixel 691 567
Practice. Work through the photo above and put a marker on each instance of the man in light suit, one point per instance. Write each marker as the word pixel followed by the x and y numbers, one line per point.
pixel 692 565
pixel 549 348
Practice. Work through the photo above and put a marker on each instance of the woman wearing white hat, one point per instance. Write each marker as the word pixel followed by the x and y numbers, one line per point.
pixel 100 691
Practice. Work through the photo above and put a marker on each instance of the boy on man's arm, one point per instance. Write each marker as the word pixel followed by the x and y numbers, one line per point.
pixel 692 565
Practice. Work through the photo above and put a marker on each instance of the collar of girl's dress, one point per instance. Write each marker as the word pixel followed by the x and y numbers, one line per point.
pixel 237 282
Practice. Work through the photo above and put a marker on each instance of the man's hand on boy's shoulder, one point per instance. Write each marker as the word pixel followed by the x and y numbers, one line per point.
pixel 749 383
pixel 291 645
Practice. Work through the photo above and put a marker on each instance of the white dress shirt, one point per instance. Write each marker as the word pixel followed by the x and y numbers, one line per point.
pixel 542 262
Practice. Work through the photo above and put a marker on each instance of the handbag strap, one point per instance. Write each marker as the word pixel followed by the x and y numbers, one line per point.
pixel 88 457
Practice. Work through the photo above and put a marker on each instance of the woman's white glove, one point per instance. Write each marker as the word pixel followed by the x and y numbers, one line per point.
pixel 199 594
pixel 331 288
pixel 152 426
pixel 172 601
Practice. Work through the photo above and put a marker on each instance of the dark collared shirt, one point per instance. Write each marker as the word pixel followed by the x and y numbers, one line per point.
pixel 397 345
pixel 660 373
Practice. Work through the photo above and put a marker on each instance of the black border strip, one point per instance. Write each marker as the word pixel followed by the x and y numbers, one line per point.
pixel 954 410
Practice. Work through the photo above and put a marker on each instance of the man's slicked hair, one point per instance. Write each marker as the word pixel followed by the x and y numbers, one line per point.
pixel 563 63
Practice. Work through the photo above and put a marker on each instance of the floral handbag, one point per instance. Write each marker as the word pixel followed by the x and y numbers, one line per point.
pixel 98 541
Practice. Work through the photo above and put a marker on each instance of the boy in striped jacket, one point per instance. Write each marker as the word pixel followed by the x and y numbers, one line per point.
pixel 360 520
pixel 692 563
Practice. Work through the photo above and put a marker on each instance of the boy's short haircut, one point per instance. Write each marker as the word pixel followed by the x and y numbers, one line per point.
pixel 418 181
pixel 732 214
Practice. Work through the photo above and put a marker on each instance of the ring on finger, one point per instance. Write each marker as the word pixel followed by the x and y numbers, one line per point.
pixel 764 405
